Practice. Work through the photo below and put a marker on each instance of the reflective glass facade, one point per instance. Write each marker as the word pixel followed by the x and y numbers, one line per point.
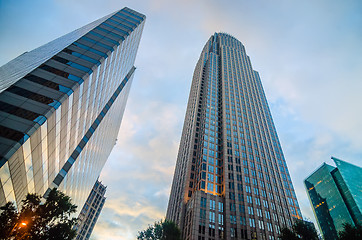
pixel 335 195
pixel 90 211
pixel 61 107
pixel 231 180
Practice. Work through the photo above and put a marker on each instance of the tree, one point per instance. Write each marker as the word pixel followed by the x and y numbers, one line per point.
pixel 37 221
pixel 350 232
pixel 166 230
pixel 287 234
pixel 300 231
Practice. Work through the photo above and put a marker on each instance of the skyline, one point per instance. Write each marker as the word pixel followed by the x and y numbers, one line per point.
pixel 302 75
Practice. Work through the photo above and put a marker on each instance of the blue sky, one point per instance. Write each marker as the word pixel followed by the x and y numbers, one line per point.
pixel 308 54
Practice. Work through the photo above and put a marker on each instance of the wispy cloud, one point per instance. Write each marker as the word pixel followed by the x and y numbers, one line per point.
pixel 141 167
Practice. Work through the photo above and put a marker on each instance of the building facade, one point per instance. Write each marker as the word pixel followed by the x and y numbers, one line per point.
pixel 231 180
pixel 335 194
pixel 61 107
pixel 90 212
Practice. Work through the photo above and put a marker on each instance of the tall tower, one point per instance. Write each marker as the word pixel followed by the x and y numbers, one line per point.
pixel 61 107
pixel 231 180
pixel 91 210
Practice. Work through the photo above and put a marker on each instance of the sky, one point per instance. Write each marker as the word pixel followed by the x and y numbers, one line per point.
pixel 308 54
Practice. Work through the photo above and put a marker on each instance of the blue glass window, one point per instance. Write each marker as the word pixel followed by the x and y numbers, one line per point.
pixel 72 64
pixel 104 37
pixel 109 32
pixel 84 57
pixel 98 43
pixel 124 33
pixel 90 49
pixel 61 73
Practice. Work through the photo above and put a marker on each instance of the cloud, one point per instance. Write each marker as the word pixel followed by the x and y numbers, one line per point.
pixel 131 208
pixel 126 216
pixel 140 168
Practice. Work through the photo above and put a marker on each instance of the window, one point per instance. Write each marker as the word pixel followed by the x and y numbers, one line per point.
pixel 212 204
pixel 212 217
pixel 252 222
pixel 261 224
pixel 210 177
pixel 203 202
pixel 232 219
pixel 250 210
pixel 210 187
pixel 221 219
pixel 221 207
pixel 232 232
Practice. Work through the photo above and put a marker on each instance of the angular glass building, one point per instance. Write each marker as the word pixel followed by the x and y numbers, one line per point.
pixel 91 210
pixel 231 180
pixel 61 107
pixel 335 194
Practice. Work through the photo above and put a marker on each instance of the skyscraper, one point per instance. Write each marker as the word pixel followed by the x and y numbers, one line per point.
pixel 231 180
pixel 90 212
pixel 335 194
pixel 61 107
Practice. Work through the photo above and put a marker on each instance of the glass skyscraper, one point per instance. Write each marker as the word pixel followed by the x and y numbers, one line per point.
pixel 90 212
pixel 61 107
pixel 231 180
pixel 335 194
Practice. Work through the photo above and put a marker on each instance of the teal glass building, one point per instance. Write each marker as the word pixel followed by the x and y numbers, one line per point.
pixel 335 194
pixel 61 107
pixel 231 180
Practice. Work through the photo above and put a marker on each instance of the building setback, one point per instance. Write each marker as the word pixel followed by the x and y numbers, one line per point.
pixel 335 194
pixel 90 211
pixel 61 107
pixel 231 180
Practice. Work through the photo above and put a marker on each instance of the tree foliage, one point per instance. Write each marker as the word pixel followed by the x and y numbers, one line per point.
pixel 300 231
pixel 166 230
pixel 350 232
pixel 36 221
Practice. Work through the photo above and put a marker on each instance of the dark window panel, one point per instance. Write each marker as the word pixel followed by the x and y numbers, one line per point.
pixel 53 78
pixel 120 31
pixel 124 21
pixel 121 22
pixel 61 73
pixel 133 14
pixel 34 96
pixel 5 145
pixel 119 25
pixel 14 122
pixel 110 32
pixel 128 19
pixel 48 84
pixel 18 111
pixel 89 48
pixel 104 32
pixel 11 134
pixel 76 59
pixel 65 68
pixel 79 52
pixel 102 40
pixel 90 39
pixel 109 40
pixel 72 64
